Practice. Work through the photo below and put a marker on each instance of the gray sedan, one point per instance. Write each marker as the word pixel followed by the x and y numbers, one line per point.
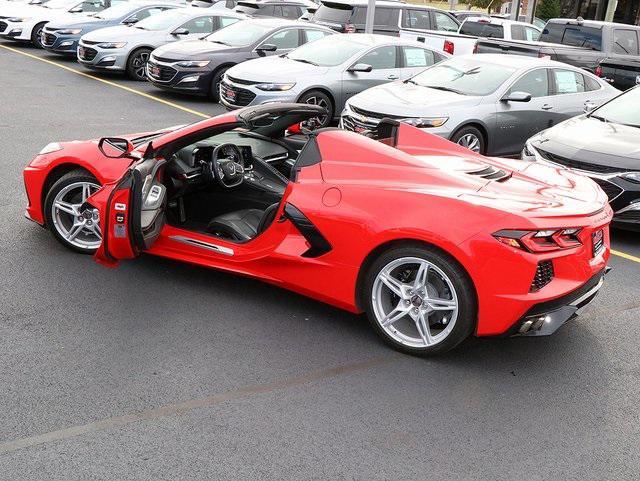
pixel 326 72
pixel 127 48
pixel 488 103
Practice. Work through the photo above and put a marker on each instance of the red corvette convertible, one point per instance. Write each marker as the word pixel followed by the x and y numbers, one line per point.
pixel 431 240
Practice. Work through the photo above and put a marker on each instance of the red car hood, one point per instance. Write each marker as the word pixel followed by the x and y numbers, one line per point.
pixel 425 163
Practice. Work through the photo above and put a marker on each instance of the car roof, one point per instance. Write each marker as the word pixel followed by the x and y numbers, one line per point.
pixel 590 23
pixel 262 2
pixel 517 61
pixel 379 3
pixel 498 21
pixel 283 22
pixel 374 39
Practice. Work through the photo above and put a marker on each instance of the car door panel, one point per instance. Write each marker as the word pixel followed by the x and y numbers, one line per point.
pixel 384 61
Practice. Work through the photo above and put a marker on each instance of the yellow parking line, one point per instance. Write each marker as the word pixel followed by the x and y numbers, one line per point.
pixel 113 84
pixel 184 109
pixel 625 255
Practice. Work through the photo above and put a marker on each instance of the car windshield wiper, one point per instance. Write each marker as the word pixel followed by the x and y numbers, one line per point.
pixel 410 81
pixel 219 41
pixel 305 61
pixel 597 117
pixel 445 89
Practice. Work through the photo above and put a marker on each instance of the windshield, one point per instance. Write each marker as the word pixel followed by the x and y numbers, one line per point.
pixel 327 52
pixel 466 77
pixel 162 21
pixel 115 12
pixel 240 34
pixel 59 4
pixel 621 110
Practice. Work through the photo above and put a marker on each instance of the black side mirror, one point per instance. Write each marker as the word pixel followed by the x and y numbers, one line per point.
pixel 180 31
pixel 517 97
pixel 130 21
pixel 115 147
pixel 266 47
pixel 360 67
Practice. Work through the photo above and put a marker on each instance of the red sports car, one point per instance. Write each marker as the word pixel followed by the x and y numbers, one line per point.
pixel 431 240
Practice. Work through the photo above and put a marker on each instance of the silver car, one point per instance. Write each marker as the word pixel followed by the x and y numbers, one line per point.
pixel 127 48
pixel 488 103
pixel 325 72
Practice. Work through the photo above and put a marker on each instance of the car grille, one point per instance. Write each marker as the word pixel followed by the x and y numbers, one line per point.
pixel 48 39
pixel 88 54
pixel 165 74
pixel 629 216
pixel 577 164
pixel 241 81
pixel 88 42
pixel 242 97
pixel 164 59
pixel 609 188
pixel 3 26
pixel 544 275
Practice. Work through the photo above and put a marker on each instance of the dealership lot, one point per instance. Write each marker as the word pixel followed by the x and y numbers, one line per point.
pixel 160 370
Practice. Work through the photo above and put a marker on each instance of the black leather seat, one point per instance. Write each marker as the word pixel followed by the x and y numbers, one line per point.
pixel 242 225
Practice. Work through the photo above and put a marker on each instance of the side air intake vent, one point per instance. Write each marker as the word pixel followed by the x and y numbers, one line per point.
pixel 544 275
pixel 491 173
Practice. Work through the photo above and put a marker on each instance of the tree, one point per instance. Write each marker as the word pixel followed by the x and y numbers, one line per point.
pixel 547 9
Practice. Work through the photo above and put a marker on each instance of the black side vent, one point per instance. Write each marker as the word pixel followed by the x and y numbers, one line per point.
pixel 491 173
pixel 544 275
pixel 317 242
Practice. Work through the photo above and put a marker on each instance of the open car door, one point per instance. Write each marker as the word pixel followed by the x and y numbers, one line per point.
pixel 132 212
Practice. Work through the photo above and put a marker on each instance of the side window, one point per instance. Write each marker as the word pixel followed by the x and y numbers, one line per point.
pixel 416 19
pixel 444 22
pixel 144 13
pixel 625 42
pixel 568 81
pixel 290 11
pixel 230 4
pixel 380 58
pixel 199 25
pixel 284 40
pixel 311 35
pixel 531 34
pixel 591 83
pixel 266 11
pixel 92 6
pixel 517 32
pixel 535 83
pixel 359 15
pixel 224 21
pixel 583 37
pixel 417 57
pixel 386 17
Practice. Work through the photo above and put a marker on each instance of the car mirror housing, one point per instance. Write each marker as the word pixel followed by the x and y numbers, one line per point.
pixel 77 9
pixel 266 47
pixel 360 67
pixel 115 147
pixel 130 21
pixel 589 106
pixel 180 31
pixel 517 97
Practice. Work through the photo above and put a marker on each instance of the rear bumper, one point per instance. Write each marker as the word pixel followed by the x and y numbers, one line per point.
pixel 547 317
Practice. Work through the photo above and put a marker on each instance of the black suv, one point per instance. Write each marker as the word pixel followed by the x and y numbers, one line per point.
pixel 391 17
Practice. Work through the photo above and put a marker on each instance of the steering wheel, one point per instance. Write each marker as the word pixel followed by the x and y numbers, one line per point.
pixel 227 165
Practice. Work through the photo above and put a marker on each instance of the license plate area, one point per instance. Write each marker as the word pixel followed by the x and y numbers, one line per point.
pixel 597 240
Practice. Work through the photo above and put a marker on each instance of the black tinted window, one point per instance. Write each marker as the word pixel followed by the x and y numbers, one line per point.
pixel 582 37
pixel 416 19
pixel 333 12
pixel 552 32
pixel 535 83
pixel 199 25
pixel 291 11
pixel 591 83
pixel 625 42
pixel 267 11
pixel 284 39
pixel 482 29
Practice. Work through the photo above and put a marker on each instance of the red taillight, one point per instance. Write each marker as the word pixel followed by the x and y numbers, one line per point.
pixel 448 47
pixel 349 28
pixel 537 241
pixel 598 71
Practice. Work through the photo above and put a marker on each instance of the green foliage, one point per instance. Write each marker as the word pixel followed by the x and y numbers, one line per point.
pixel 547 9
pixel 483 4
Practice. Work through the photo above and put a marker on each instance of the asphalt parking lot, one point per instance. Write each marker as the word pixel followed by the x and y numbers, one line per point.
pixel 161 370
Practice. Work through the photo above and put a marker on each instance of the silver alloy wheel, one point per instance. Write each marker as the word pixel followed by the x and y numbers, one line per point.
pixel 80 228
pixel 414 302
pixel 470 141
pixel 313 100
pixel 139 64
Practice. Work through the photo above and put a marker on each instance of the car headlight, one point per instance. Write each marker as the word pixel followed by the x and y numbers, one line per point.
pixel 194 64
pixel 52 147
pixel 425 121
pixel 112 44
pixel 70 31
pixel 632 177
pixel 19 19
pixel 275 87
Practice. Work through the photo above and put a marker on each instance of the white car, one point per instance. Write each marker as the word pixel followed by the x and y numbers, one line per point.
pixel 25 22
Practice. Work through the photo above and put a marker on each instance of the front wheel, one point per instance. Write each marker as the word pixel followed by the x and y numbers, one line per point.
pixel 419 300
pixel 471 138
pixel 73 227
pixel 137 64
pixel 214 92
pixel 36 35
pixel 316 97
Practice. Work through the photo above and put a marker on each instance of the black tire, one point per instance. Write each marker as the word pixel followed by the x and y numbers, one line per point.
pixel 136 64
pixel 467 305
pixel 36 35
pixel 317 97
pixel 468 132
pixel 214 91
pixel 67 179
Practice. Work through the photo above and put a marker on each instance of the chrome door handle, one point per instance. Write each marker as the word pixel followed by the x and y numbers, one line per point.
pixel 393 77
pixel 547 107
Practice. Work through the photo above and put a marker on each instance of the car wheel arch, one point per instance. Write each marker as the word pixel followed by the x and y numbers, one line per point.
pixel 478 125
pixel 369 259
pixel 325 91
pixel 60 170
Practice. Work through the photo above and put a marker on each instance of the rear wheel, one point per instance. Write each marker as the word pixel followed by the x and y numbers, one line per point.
pixel 316 97
pixel 419 300
pixel 137 64
pixel 214 93
pixel 36 35
pixel 471 138
pixel 73 227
